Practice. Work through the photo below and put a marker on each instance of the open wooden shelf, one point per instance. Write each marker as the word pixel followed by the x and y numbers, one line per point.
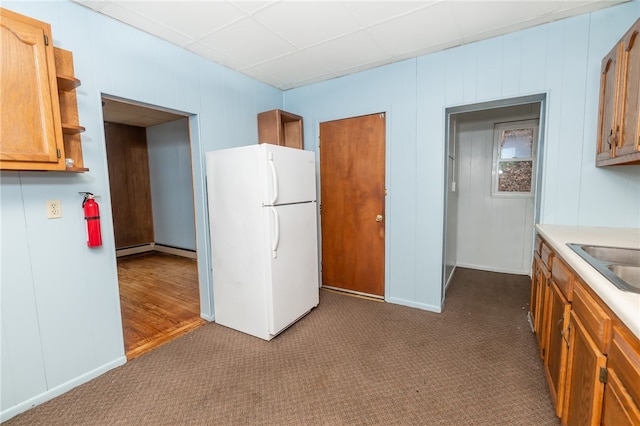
pixel 67 83
pixel 72 129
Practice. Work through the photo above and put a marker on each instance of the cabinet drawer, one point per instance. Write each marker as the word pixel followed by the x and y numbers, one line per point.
pixel 546 254
pixel 563 277
pixel 593 317
pixel 625 361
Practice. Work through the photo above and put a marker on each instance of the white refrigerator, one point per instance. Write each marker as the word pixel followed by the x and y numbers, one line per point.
pixel 264 230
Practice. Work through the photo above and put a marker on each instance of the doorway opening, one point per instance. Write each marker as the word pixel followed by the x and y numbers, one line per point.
pixel 492 175
pixel 150 180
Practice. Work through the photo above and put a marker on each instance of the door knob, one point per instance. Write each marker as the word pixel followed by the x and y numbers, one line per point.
pixel 379 218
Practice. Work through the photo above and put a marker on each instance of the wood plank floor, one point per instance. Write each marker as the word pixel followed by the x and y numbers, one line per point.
pixel 159 298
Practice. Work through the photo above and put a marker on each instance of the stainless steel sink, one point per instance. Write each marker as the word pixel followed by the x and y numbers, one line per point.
pixel 619 265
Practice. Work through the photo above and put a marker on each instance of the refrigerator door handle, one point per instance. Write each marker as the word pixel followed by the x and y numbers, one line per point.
pixel 274 178
pixel 276 238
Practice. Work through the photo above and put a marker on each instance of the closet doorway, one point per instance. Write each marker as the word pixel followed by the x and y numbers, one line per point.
pixel 493 168
pixel 150 180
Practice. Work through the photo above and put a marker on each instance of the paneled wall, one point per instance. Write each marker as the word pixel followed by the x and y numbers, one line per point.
pixel 60 304
pixel 561 59
pixel 60 310
pixel 129 184
pixel 495 233
pixel 172 184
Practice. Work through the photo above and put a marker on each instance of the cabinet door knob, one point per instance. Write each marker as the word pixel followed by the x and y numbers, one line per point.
pixel 379 218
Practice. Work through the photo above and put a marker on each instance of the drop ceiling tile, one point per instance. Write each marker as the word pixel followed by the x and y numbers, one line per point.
pixel 305 23
pixel 346 52
pixel 208 52
pixel 293 68
pixel 251 7
pixel 429 26
pixel 93 4
pixel 369 13
pixel 192 18
pixel 248 42
pixel 258 74
pixel 123 14
pixel 478 17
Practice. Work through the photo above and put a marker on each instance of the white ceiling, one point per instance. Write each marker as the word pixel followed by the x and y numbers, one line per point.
pixel 292 43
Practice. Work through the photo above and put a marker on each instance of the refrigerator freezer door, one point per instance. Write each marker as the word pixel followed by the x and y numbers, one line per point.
pixel 288 175
pixel 293 266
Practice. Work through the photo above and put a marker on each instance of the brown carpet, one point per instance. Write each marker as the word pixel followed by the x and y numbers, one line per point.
pixel 349 362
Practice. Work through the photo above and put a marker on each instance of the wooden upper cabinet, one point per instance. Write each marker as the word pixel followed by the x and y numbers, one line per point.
pixel 31 131
pixel 279 127
pixel 608 105
pixel 619 109
pixel 627 141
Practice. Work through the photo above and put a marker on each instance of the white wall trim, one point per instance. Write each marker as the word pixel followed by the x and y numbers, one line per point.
pixel 490 269
pixel 449 279
pixel 413 304
pixel 175 251
pixel 156 247
pixel 60 389
pixel 134 250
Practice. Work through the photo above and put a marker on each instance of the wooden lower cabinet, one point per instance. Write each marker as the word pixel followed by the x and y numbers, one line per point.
pixel 555 360
pixel 591 359
pixel 621 405
pixel 540 292
pixel 585 388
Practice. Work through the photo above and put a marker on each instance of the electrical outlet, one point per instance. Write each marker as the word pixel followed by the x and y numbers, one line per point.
pixel 54 209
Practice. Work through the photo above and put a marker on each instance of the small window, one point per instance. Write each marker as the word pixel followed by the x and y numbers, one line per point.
pixel 514 152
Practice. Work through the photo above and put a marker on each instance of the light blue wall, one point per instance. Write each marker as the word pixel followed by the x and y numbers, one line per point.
pixel 60 315
pixel 60 309
pixel 561 59
pixel 169 150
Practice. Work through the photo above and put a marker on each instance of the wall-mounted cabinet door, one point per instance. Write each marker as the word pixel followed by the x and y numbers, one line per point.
pixel 31 131
pixel 627 140
pixel 608 104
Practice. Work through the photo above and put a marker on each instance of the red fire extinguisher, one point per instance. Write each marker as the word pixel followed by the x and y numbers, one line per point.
pixel 92 216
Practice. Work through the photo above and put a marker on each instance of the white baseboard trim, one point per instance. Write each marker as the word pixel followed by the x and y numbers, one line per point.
pixel 156 247
pixel 209 318
pixel 414 304
pixel 134 250
pixel 491 269
pixel 175 251
pixel 446 285
pixel 60 389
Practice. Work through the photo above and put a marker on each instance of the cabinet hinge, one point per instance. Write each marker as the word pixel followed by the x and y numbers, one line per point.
pixel 58 153
pixel 603 375
pixel 46 40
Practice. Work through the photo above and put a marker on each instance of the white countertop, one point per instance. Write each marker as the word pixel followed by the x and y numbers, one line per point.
pixel 626 305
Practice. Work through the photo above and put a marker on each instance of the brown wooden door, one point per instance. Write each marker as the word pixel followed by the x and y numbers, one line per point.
pixel 128 163
pixel 352 181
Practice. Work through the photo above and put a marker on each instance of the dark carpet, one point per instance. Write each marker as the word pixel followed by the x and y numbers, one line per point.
pixel 350 361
